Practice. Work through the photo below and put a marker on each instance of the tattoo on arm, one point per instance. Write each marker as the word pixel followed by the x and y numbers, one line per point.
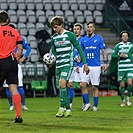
pixel 104 54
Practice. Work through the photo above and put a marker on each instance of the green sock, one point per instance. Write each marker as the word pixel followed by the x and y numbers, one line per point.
pixel 63 97
pixel 122 93
pixel 129 91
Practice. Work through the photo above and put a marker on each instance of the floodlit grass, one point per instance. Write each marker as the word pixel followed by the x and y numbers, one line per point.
pixel 111 118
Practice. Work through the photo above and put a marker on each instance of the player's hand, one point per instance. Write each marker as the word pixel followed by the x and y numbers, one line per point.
pixel 122 55
pixel 22 59
pixel 105 67
pixel 49 66
pixel 86 69
pixel 78 59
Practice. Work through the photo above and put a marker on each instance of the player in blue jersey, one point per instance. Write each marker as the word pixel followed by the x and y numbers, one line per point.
pixel 77 30
pixel 78 75
pixel 91 45
pixel 20 76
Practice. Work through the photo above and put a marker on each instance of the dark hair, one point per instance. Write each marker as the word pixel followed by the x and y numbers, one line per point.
pixel 124 31
pixel 3 17
pixel 91 23
pixel 78 24
pixel 12 25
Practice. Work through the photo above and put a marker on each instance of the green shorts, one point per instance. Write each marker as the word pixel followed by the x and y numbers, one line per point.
pixel 64 72
pixel 123 76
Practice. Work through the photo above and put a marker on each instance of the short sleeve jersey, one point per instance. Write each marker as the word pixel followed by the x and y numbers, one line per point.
pixel 91 47
pixel 26 47
pixel 9 38
pixel 124 64
pixel 63 48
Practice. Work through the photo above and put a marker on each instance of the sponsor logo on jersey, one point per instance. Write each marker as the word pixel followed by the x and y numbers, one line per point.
pixel 130 74
pixel 63 74
pixel 91 47
pixel 61 42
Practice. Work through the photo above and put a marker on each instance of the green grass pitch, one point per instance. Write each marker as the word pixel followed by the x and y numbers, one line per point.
pixel 111 118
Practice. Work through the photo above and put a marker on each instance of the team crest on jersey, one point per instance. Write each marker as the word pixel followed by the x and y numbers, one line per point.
pixel 95 40
pixel 64 39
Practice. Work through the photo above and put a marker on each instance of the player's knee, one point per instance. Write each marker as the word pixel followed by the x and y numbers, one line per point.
pixel 95 87
pixel 83 85
pixel 70 85
pixel 20 90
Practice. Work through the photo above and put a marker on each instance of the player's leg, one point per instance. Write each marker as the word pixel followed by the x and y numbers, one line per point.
pixel 61 110
pixel 20 87
pixel 122 80
pixel 9 96
pixel 64 97
pixel 22 94
pixel 10 74
pixel 70 92
pixel 129 87
pixel 84 90
pixel 95 80
pixel 122 90
pixel 16 100
pixel 12 81
pixel 70 87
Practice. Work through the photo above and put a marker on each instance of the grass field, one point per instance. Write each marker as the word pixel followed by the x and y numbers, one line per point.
pixel 111 118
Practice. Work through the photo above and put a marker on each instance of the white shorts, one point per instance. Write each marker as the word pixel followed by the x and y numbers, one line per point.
pixel 71 79
pixel 20 77
pixel 94 75
pixel 78 77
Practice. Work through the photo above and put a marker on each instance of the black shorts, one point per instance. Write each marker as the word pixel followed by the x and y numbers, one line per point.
pixel 8 71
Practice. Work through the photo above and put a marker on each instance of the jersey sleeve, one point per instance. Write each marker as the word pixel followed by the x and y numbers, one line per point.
pixel 81 53
pixel 115 52
pixel 73 39
pixel 75 42
pixel 102 44
pixel 53 47
pixel 130 53
pixel 19 39
pixel 26 47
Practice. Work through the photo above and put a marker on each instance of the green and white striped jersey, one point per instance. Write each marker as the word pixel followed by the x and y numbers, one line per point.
pixel 62 47
pixel 124 64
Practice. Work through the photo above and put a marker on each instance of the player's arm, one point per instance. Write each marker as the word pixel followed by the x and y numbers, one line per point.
pixel 104 56
pixel 115 52
pixel 27 52
pixel 20 50
pixel 52 51
pixel 104 67
pixel 130 53
pixel 80 51
pixel 53 47
pixel 19 46
pixel 76 44
pixel 27 48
